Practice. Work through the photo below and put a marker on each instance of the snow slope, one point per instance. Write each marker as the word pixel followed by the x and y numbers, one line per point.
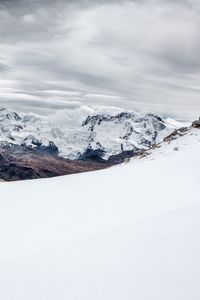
pixel 128 232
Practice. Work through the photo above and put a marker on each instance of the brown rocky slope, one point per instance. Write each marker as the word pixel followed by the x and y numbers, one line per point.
pixel 20 163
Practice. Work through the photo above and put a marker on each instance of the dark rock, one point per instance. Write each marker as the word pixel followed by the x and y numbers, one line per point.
pixel 98 154
pixel 17 128
pixel 3 160
pixel 123 156
pixel 13 115
pixel 98 119
pixel 33 144
pixel 51 149
pixel 95 155
pixel 175 134
pixel 196 124
pixel 9 115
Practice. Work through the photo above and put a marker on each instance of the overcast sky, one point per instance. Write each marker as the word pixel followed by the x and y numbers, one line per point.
pixel 142 54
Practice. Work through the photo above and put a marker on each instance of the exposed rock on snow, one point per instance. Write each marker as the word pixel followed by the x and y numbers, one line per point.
pixel 196 123
pixel 176 133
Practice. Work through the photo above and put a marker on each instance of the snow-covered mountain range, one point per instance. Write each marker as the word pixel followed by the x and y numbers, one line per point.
pixel 112 133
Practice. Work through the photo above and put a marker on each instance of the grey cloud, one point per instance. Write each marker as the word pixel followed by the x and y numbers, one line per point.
pixel 143 52
pixel 3 67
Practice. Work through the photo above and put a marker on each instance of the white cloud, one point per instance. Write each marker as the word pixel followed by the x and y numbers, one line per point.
pixel 28 19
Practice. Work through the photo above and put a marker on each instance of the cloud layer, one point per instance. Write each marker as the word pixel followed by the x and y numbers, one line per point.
pixel 133 54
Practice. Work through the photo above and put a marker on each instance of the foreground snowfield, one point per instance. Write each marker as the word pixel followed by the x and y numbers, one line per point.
pixel 128 232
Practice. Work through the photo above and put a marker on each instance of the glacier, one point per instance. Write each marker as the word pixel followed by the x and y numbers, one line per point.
pixel 111 131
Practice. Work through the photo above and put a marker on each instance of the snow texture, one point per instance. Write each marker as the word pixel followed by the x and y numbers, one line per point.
pixel 128 232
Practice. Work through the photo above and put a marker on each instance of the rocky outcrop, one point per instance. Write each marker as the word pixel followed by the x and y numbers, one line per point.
pixel 176 133
pixel 123 156
pixel 98 119
pixel 196 124
pixel 50 149
pixel 95 155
